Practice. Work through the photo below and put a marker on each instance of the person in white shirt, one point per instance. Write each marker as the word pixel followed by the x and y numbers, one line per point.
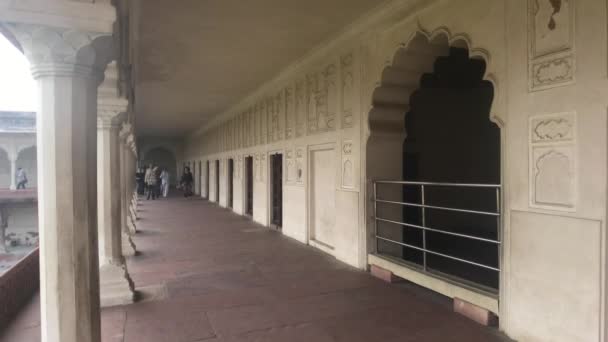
pixel 164 182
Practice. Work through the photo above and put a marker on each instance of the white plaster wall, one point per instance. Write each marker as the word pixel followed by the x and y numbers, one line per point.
pixel 553 281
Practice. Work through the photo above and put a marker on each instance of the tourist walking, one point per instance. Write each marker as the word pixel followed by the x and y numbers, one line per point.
pixel 151 179
pixel 164 182
pixel 186 182
pixel 21 178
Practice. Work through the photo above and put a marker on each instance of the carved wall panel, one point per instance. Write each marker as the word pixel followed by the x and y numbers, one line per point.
pixel 290 174
pixel 263 113
pixel 347 91
pixel 553 162
pixel 263 168
pixel 551 37
pixel 300 107
pixel 258 172
pixel 348 176
pixel 300 165
pixel 289 113
pixel 270 108
pixel 311 98
pixel 278 121
pixel 327 100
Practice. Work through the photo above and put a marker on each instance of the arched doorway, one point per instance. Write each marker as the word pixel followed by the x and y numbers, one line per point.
pixel 163 158
pixel 27 160
pixel 5 170
pixel 438 209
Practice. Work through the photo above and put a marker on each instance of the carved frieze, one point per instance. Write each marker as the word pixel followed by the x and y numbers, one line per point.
pixel 347 92
pixel 552 61
pixel 553 162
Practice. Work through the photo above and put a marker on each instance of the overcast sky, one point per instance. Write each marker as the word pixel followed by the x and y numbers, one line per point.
pixel 17 88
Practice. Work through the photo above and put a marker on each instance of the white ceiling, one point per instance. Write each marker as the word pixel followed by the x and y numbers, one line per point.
pixel 199 57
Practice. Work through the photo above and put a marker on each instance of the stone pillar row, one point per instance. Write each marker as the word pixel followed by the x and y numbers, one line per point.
pixel 116 286
pixel 85 188
pixel 68 66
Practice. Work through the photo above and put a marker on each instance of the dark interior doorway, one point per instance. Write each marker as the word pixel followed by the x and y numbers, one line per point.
pixel 249 186
pixel 450 139
pixel 276 177
pixel 229 190
pixel 217 181
pixel 207 182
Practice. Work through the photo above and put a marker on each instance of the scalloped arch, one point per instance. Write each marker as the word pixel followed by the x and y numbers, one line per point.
pixel 441 36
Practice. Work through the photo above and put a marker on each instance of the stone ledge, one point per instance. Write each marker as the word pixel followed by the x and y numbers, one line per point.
pixel 475 313
pixel 384 275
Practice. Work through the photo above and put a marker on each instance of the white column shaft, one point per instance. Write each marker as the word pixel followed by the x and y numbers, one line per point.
pixel 67 205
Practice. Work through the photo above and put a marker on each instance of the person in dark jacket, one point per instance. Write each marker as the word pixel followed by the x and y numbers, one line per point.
pixel 186 182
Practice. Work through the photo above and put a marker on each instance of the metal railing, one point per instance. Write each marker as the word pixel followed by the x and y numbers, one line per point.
pixel 424 207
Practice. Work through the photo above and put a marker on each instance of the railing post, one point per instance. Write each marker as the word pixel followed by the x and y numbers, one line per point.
pixel 375 216
pixel 498 227
pixel 423 202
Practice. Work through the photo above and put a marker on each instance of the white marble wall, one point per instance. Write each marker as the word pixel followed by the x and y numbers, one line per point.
pixel 549 70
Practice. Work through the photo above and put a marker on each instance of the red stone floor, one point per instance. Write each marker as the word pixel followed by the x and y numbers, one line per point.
pixel 206 274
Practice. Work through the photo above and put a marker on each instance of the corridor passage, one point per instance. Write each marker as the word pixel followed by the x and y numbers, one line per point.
pixel 206 274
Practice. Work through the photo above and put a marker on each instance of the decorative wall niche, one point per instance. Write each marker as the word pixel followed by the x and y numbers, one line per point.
pixel 552 60
pixel 553 162
pixel 347 92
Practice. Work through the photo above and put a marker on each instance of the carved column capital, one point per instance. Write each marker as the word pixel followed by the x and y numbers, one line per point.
pixel 111 107
pixel 64 52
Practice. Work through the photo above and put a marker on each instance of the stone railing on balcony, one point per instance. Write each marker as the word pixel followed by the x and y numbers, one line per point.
pixel 18 285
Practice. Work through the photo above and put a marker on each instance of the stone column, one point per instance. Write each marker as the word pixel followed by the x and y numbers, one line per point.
pixel 68 66
pixel 116 285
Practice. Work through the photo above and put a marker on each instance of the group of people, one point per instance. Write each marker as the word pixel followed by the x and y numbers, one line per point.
pixel 154 182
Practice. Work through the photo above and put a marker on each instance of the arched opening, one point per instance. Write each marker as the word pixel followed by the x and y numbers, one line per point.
pixel 5 170
pixel 434 159
pixel 27 160
pixel 164 159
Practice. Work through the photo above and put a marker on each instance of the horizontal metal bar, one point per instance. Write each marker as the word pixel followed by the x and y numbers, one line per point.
pixel 438 208
pixel 438 231
pixel 463 185
pixel 439 254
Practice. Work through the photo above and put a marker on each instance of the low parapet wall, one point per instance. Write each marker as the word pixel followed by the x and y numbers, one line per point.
pixel 18 285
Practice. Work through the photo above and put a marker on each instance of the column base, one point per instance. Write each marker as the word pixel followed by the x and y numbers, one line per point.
pixel 131 225
pixel 116 286
pixel 128 247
